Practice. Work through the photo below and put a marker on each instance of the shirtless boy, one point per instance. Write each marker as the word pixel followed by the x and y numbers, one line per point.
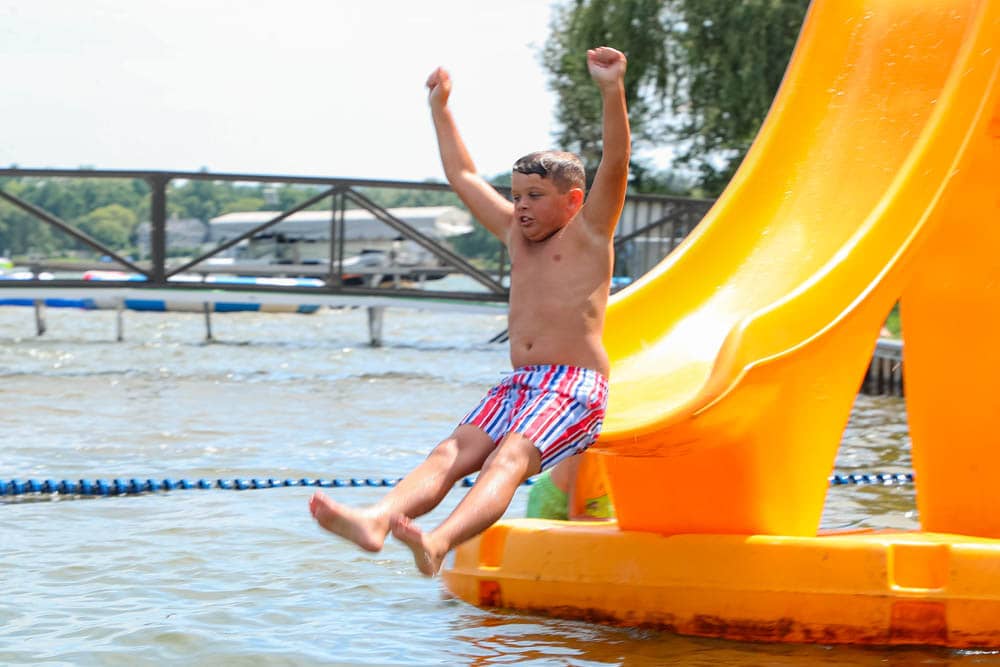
pixel 552 405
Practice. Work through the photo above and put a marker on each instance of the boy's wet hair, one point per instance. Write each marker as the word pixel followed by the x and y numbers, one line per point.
pixel 565 169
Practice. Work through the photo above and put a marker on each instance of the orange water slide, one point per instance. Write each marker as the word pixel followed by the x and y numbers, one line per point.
pixel 736 361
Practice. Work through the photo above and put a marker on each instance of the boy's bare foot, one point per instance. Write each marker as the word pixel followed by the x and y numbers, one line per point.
pixel 425 556
pixel 356 525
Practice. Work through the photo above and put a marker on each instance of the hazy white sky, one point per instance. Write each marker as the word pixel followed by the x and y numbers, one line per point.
pixel 304 87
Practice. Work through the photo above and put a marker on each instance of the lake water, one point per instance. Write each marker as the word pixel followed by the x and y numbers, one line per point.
pixel 230 578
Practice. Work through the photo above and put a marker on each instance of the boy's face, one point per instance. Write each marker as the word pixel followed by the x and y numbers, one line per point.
pixel 540 209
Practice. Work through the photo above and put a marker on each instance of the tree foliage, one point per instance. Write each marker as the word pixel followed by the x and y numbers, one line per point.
pixel 106 209
pixel 702 75
pixel 731 57
pixel 634 27
pixel 112 225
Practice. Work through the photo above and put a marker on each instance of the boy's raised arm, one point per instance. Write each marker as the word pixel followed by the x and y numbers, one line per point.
pixel 487 205
pixel 607 194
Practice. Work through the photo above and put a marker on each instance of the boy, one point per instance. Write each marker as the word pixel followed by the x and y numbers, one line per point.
pixel 552 405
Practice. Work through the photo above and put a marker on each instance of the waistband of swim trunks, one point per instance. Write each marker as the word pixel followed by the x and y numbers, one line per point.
pixel 537 368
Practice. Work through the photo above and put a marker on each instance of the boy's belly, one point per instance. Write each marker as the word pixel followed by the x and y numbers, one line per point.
pixel 528 350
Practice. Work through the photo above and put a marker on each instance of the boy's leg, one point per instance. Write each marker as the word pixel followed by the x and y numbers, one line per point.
pixel 564 472
pixel 513 461
pixel 416 494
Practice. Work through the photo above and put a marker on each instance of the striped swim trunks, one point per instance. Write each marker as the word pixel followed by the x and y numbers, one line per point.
pixel 559 408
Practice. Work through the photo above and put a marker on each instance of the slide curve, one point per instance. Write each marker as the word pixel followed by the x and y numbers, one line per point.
pixel 735 362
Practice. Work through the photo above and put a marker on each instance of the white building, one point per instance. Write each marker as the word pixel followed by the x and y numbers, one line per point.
pixel 304 237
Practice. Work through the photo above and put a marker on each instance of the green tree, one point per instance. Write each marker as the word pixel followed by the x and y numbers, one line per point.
pixel 23 234
pixel 636 27
pixel 701 76
pixel 290 196
pixel 112 225
pixel 244 204
pixel 409 197
pixel 197 198
pixel 731 56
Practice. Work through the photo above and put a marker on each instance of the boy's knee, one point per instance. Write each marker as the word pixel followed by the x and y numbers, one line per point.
pixel 519 454
pixel 445 449
pixel 465 448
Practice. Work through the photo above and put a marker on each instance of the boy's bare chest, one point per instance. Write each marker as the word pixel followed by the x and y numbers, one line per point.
pixel 561 264
pixel 538 260
pixel 560 253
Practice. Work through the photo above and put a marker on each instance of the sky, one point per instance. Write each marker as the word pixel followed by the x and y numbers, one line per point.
pixel 301 87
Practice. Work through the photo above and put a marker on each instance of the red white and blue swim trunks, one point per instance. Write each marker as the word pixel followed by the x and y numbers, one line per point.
pixel 559 408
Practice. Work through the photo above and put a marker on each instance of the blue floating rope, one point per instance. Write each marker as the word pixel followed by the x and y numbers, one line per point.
pixel 134 486
pixel 884 478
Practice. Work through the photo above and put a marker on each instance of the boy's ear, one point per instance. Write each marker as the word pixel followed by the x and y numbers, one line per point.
pixel 575 198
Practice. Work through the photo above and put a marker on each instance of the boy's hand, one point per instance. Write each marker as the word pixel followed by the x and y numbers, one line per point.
pixel 439 85
pixel 606 65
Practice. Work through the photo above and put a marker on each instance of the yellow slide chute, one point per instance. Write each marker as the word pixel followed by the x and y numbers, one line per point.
pixel 735 362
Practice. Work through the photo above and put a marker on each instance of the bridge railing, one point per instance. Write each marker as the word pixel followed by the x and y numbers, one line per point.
pixel 650 227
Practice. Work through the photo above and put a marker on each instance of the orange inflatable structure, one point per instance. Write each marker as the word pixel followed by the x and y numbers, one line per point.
pixel 735 362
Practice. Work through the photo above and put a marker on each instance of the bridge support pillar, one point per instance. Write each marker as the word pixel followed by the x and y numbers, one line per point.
pixel 120 321
pixel 40 316
pixel 208 322
pixel 375 314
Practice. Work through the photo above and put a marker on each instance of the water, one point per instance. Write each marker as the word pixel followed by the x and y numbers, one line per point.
pixel 232 578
